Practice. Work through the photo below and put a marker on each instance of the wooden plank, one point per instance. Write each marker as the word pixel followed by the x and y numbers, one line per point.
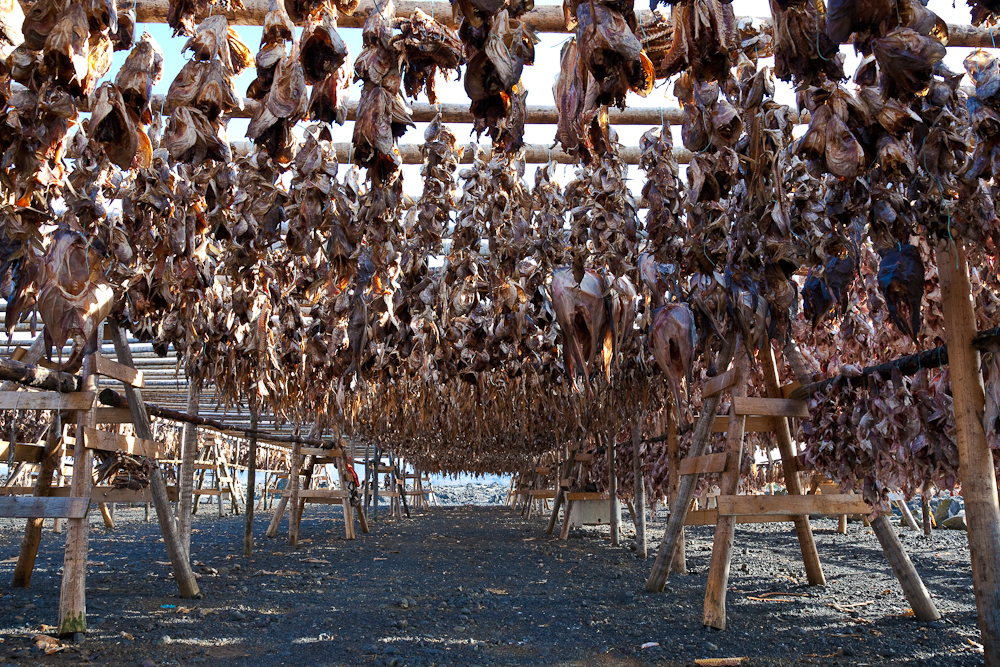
pixel 586 495
pixel 754 424
pixel 114 416
pixel 583 458
pixel 771 407
pixel 120 372
pixel 112 442
pixel 46 400
pixel 542 493
pixel 543 471
pixel 23 452
pixel 787 389
pixel 35 507
pixel 697 465
pixel 339 494
pixel 320 451
pixel 20 490
pixel 720 383
pixel 383 469
pixel 206 492
pixel 841 503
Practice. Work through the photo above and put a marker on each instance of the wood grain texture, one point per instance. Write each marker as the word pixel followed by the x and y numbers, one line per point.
pixel 122 373
pixel 771 407
pixel 37 507
pixel 707 463
pixel 795 505
pixel 46 400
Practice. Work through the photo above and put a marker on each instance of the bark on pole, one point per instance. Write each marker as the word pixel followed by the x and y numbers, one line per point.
pixel 251 484
pixel 33 529
pixel 189 452
pixel 73 593
pixel 639 484
pixel 616 508
pixel 187 585
pixel 685 489
pixel 679 564
pixel 979 488
pixel 783 434
pixel 725 529
pixel 913 587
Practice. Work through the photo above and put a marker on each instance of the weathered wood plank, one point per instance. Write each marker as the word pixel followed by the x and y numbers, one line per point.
pixel 697 465
pixel 319 451
pixel 112 442
pixel 841 503
pixel 754 424
pixel 711 517
pixel 46 400
pixel 771 407
pixel 586 495
pixel 720 383
pixel 542 493
pixel 583 458
pixel 38 507
pixel 23 452
pixel 114 416
pixel 120 372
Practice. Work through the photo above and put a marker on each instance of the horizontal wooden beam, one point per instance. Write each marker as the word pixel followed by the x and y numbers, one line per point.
pixel 113 442
pixel 534 493
pixel 23 452
pixel 320 451
pixel 753 424
pixel 36 507
pixel 99 494
pixel 586 495
pixel 720 383
pixel 698 465
pixel 46 400
pixel 770 407
pixel 841 503
pixel 711 517
pixel 544 18
pixel 114 416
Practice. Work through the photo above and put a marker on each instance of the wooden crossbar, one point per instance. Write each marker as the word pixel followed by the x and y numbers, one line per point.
pixel 36 507
pixel 542 493
pixel 720 383
pixel 753 424
pixel 586 495
pixel 697 465
pixel 793 505
pixel 711 517
pixel 113 442
pixel 122 373
pixel 770 407
pixel 46 400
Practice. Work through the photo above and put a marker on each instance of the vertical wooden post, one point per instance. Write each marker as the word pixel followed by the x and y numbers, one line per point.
pixel 563 473
pixel 186 583
pixel 616 508
pixel 378 463
pixel 185 483
pixel 639 484
pixel 251 483
pixel 725 529
pixel 783 434
pixel 913 587
pixel 907 515
pixel 679 564
pixel 33 530
pixel 685 490
pixel 73 593
pixel 925 511
pixel 293 493
pixel 842 524
pixel 979 487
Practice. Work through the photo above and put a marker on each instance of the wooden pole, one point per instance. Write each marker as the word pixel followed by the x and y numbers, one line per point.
pixel 378 463
pixel 109 521
pixel 189 453
pixel 725 529
pixel 293 492
pixel 907 515
pixel 979 487
pixel 251 484
pixel 685 489
pixel 783 434
pixel 33 530
pixel 679 564
pixel 913 588
pixel 73 593
pixel 560 491
pixel 842 524
pixel 639 485
pixel 616 508
pixel 187 585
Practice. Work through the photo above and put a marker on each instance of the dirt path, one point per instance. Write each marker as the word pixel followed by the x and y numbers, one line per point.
pixel 480 586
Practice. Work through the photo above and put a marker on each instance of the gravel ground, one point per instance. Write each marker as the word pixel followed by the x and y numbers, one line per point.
pixel 477 585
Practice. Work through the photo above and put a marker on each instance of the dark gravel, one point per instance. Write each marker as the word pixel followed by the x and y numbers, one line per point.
pixel 480 586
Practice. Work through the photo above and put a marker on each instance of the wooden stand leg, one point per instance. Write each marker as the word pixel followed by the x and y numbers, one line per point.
pixel 685 489
pixel 907 515
pixel 560 492
pixel 189 453
pixel 564 533
pixel 979 487
pixel 293 488
pixel 33 530
pixel 616 508
pixel 725 529
pixel 783 434
pixel 639 484
pixel 73 593
pixel 913 587
pixel 842 524
pixel 925 511
pixel 679 564
pixel 187 585
pixel 109 521
pixel 272 528
pixel 251 484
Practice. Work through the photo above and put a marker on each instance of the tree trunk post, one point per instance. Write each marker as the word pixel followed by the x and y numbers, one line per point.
pixel 185 481
pixel 639 485
pixel 73 593
pixel 251 484
pixel 685 489
pixel 616 508
pixel 679 564
pixel 187 585
pixel 979 487
pixel 293 494
pixel 725 529
pixel 783 434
